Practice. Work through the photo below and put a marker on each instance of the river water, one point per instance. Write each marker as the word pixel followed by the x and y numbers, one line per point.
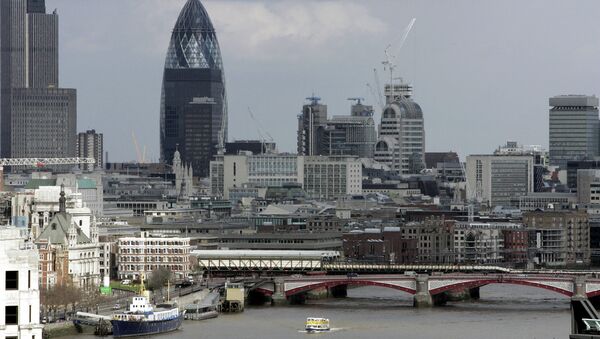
pixel 504 311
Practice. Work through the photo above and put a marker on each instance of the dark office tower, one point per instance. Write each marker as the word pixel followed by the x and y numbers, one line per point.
pixel 193 112
pixel 37 119
pixel 311 124
pixel 12 62
pixel 42 55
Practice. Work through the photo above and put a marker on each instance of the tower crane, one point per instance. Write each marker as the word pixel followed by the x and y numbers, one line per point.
pixel 389 63
pixel 357 100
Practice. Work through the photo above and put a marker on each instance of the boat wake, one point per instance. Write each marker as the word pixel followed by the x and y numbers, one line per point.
pixel 333 329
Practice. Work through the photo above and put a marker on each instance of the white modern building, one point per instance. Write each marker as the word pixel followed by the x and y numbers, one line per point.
pixel 137 256
pixel 332 177
pixel 19 287
pixel 402 121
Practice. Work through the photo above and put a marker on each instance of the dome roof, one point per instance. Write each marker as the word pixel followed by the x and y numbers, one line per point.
pixel 406 107
pixel 409 109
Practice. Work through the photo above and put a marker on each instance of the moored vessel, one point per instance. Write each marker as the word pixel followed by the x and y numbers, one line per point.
pixel 145 319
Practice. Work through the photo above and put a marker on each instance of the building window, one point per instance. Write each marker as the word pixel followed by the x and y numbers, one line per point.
pixel 11 316
pixel 12 280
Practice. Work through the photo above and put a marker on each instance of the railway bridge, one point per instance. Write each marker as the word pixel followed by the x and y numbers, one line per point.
pixel 427 289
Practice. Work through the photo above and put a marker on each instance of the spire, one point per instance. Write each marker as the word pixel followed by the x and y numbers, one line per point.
pixel 62 201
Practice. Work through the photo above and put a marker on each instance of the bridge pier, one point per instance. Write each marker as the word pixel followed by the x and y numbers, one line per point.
pixel 278 297
pixel 463 294
pixel 340 291
pixel 422 298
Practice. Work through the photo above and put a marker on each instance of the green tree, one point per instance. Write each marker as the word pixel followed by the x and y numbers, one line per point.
pixel 158 278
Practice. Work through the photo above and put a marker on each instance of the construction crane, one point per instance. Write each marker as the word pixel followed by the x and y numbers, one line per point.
pixel 377 99
pixel 260 129
pixel 140 157
pixel 389 63
pixel 41 162
pixel 378 86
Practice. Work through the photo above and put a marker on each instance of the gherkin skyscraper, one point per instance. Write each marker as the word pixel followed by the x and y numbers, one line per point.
pixel 193 109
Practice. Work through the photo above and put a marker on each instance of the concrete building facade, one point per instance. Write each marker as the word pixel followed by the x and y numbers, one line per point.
pixel 91 145
pixel 402 121
pixel 142 255
pixel 497 180
pixel 559 238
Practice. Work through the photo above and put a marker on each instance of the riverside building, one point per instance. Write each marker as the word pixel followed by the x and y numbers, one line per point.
pixel 19 287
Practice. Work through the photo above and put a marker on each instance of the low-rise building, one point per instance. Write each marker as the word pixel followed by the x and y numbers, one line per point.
pixel 547 201
pixel 139 256
pixel 559 238
pixel 69 248
pixel 282 241
pixel 373 244
pixel 481 242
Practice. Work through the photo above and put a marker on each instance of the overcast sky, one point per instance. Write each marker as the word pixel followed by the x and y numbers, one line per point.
pixel 482 70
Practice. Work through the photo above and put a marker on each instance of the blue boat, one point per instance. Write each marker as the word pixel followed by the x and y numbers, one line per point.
pixel 143 319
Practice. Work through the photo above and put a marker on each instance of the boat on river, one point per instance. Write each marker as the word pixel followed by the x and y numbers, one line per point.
pixel 145 319
pixel 317 325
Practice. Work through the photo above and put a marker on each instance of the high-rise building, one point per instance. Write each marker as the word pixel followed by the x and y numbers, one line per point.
pixel 193 111
pixel 37 118
pixel 574 128
pixel 311 123
pixel 401 143
pixel 90 145
pixel 349 135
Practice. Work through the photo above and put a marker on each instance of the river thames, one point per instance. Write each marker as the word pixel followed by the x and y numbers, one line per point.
pixel 504 311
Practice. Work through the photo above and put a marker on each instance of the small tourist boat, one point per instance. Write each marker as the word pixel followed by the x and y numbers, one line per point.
pixel 317 325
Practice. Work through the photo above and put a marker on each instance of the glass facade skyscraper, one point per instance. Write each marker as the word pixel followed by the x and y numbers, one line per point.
pixel 193 112
pixel 574 129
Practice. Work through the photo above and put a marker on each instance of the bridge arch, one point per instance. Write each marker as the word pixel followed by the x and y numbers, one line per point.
pixel 348 282
pixel 562 287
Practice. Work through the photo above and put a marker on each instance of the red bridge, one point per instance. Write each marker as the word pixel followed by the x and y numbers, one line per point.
pixel 426 288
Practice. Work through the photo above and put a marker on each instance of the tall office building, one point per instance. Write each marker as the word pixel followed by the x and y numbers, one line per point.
pixel 193 111
pixel 574 129
pixel 37 118
pixel 90 145
pixel 401 143
pixel 311 122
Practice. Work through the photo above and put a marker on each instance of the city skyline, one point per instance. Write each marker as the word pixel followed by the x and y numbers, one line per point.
pixel 478 65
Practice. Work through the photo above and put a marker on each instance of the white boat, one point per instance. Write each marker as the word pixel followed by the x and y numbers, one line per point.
pixel 317 325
